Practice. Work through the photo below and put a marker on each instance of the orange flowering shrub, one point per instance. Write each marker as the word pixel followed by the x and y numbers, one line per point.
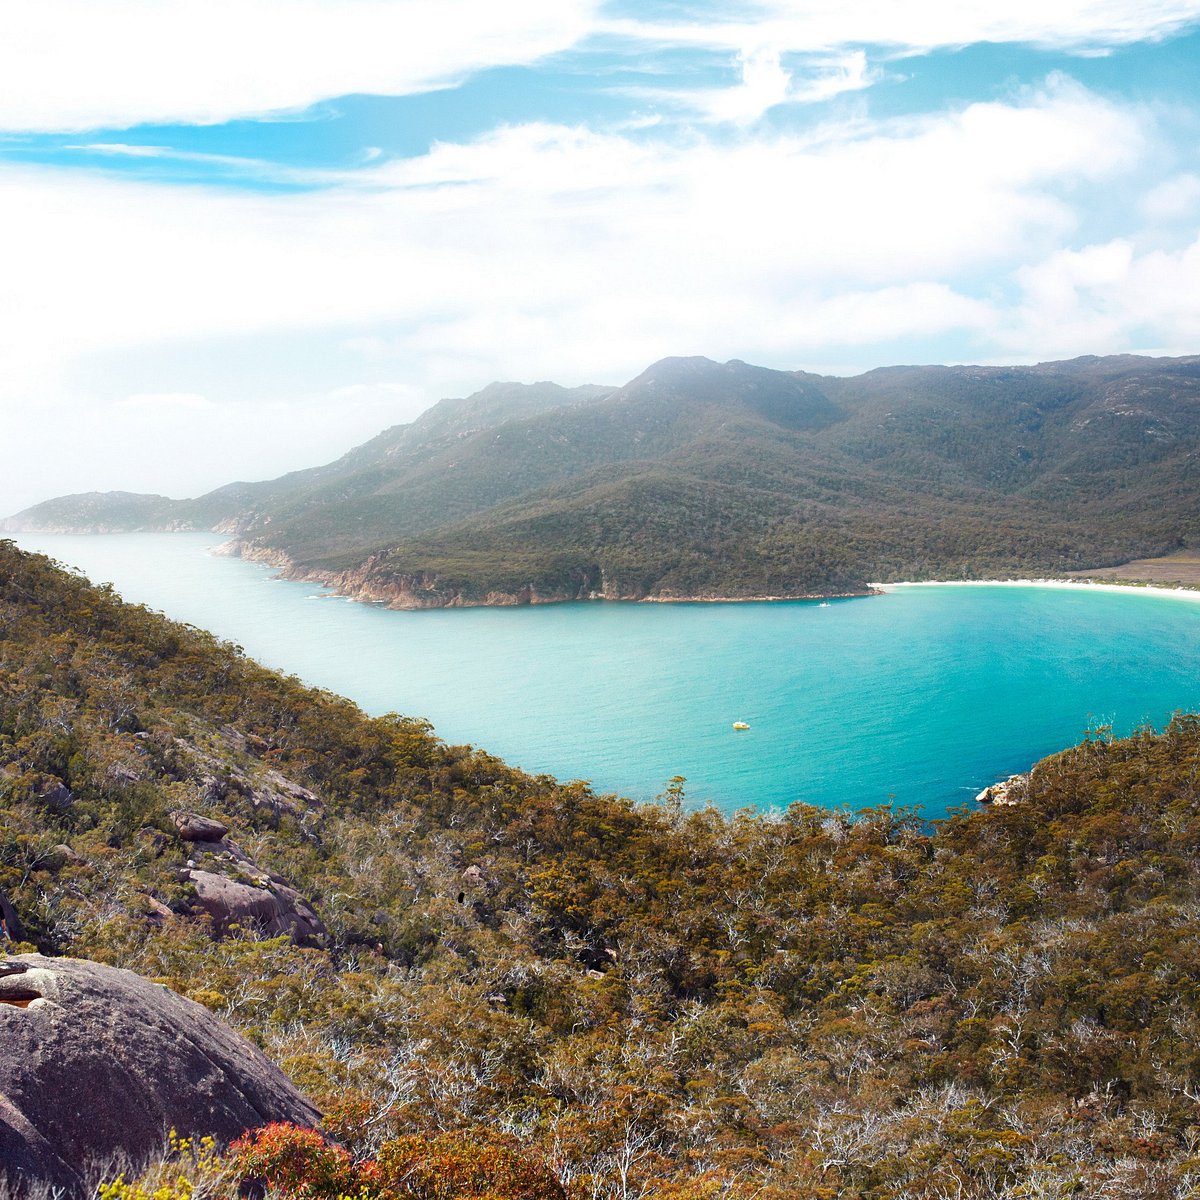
pixel 477 1165
pixel 297 1162
pixel 474 1165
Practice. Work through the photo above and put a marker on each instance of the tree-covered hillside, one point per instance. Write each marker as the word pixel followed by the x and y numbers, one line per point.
pixel 653 1001
pixel 706 479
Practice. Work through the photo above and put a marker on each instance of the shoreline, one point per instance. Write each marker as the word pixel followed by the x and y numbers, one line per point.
pixel 340 587
pixel 408 593
pixel 874 589
pixel 1141 589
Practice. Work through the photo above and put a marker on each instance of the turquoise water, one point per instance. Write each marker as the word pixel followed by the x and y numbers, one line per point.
pixel 922 696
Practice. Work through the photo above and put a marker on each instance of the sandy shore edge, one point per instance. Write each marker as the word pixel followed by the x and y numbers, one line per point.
pixel 1136 589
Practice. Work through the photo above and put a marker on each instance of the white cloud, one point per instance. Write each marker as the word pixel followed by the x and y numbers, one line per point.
pixel 1177 198
pixel 847 73
pixel 1108 296
pixel 537 251
pixel 539 218
pixel 124 150
pixel 830 38
pixel 765 85
pixel 907 311
pixel 822 25
pixel 89 64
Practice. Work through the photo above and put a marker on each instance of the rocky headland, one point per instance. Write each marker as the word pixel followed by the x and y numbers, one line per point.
pixel 700 480
pixel 373 583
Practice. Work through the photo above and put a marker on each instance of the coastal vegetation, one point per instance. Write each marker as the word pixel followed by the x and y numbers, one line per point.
pixel 699 479
pixel 1179 570
pixel 627 1000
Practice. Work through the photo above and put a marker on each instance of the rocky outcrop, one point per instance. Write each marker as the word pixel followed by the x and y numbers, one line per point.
pixel 68 856
pixel 1007 792
pixel 281 794
pixel 57 795
pixel 269 790
pixel 99 1064
pixel 235 892
pixel 228 885
pixel 233 889
pixel 265 904
pixel 195 828
pixel 253 552
pixel 376 581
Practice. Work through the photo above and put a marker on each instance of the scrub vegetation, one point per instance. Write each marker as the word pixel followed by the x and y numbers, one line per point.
pixel 528 989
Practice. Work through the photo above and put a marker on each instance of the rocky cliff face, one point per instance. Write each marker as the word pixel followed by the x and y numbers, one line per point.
pixel 98 1064
pixel 373 583
pixel 424 589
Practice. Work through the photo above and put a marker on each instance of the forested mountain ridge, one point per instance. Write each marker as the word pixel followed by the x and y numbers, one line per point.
pixel 702 479
pixel 653 1001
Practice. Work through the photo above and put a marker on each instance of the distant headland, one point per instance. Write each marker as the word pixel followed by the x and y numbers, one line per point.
pixel 700 480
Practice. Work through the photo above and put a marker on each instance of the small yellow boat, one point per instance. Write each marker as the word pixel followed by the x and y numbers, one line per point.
pixel 740 725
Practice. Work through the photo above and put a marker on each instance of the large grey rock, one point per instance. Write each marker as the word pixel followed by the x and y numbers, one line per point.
pixel 58 795
pixel 98 1063
pixel 267 906
pixel 195 828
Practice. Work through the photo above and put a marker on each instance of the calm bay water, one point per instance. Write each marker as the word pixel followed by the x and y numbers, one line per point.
pixel 922 696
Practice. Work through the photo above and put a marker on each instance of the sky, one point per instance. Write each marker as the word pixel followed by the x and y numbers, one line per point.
pixel 238 237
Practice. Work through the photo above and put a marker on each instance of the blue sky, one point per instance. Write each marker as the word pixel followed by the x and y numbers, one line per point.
pixel 239 238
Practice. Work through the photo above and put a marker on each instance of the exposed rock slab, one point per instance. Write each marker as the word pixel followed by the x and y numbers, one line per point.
pixel 268 906
pixel 1006 793
pixel 100 1063
pixel 195 828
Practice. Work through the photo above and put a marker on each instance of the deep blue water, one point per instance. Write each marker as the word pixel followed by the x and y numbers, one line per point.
pixel 922 696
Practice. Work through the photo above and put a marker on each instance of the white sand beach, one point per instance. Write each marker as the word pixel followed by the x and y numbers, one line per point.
pixel 1178 593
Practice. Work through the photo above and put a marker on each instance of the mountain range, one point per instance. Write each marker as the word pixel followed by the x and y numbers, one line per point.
pixel 700 479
